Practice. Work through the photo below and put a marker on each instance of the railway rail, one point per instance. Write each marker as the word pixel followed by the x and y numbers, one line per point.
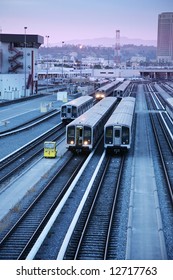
pixel 163 132
pixel 99 228
pixel 92 235
pixel 30 123
pixel 165 148
pixel 17 160
pixel 18 241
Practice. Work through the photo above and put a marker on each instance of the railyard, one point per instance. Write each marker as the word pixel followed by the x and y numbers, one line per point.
pixel 125 196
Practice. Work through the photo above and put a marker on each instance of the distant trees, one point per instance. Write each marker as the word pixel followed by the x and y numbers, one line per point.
pixel 107 53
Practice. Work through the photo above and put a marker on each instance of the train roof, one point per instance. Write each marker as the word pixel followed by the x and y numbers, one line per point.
pixel 120 119
pixel 107 86
pixel 123 86
pixel 78 101
pixel 92 116
pixel 170 101
pixel 123 114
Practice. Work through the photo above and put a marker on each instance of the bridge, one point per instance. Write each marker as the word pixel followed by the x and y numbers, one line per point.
pixel 157 73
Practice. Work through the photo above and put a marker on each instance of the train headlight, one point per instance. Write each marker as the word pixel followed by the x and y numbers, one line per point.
pixel 97 95
pixel 85 143
pixel 102 96
pixel 72 142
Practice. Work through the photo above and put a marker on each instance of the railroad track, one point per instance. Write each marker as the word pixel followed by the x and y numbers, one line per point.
pixel 18 241
pixel 164 144
pixel 23 156
pixel 92 236
pixel 165 148
pixel 30 123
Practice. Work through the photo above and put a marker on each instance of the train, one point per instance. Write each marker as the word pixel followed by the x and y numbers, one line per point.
pixel 100 83
pixel 120 90
pixel 118 128
pixel 105 90
pixel 76 107
pixel 83 133
pixel 169 106
pixel 167 100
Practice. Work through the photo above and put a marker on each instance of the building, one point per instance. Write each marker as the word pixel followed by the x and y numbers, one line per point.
pixel 18 65
pixel 165 38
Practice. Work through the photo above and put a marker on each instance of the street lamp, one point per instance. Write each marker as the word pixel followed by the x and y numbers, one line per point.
pixel 80 65
pixel 25 60
pixel 47 37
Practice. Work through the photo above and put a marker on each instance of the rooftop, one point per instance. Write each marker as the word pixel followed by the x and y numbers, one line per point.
pixel 20 38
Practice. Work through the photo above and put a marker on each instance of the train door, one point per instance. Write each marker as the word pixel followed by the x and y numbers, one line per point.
pixel 117 135
pixel 74 113
pixel 79 135
pixel 68 113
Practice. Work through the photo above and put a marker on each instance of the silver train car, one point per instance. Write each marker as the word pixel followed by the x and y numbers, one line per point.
pixel 118 129
pixel 83 133
pixel 105 90
pixel 100 83
pixel 169 107
pixel 74 108
pixel 120 90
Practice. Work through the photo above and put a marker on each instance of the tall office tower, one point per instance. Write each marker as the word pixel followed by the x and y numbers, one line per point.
pixel 165 37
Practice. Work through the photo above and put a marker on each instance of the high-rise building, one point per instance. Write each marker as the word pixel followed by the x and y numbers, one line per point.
pixel 165 37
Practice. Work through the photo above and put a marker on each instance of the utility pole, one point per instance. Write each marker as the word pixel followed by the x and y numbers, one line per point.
pixel 47 37
pixel 117 48
pixel 25 61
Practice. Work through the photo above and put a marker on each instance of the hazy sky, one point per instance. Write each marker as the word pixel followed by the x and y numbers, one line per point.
pixel 65 20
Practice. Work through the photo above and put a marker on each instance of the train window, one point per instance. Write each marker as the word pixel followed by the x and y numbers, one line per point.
pixel 68 110
pixel 70 134
pixel 87 134
pixel 63 111
pixel 80 130
pixel 125 135
pixel 49 145
pixel 117 133
pixel 109 134
pixel 74 112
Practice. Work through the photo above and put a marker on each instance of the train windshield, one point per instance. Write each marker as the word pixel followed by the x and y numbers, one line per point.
pixel 71 134
pixel 125 135
pixel 108 135
pixel 50 145
pixel 87 135
pixel 63 111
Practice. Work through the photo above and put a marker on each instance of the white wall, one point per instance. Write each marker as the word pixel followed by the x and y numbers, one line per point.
pixel 12 86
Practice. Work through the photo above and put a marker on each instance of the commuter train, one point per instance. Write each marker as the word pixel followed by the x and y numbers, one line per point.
pixel 105 90
pixel 168 103
pixel 120 90
pixel 83 133
pixel 118 129
pixel 101 83
pixel 169 106
pixel 74 108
